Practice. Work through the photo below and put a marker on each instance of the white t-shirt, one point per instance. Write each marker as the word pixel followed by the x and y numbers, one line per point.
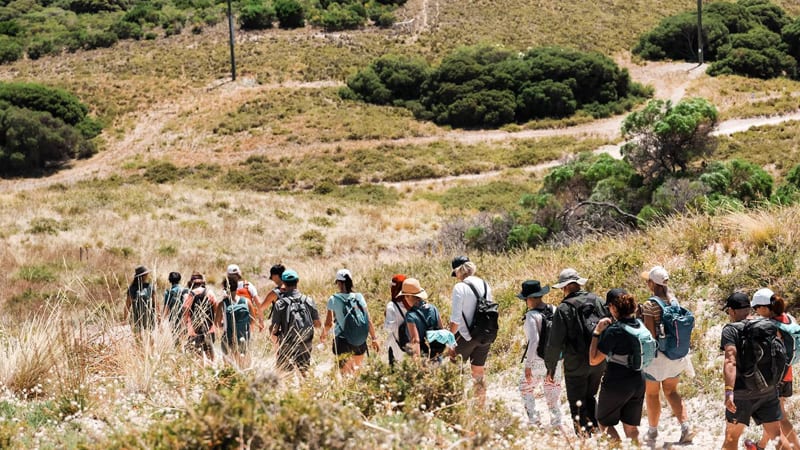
pixel 394 319
pixel 250 287
pixel 464 301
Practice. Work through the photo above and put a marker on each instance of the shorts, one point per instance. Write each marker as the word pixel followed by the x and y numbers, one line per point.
pixel 663 368
pixel 476 352
pixel 201 343
pixel 762 409
pixel 620 400
pixel 294 355
pixel 341 347
pixel 239 347
pixel 785 389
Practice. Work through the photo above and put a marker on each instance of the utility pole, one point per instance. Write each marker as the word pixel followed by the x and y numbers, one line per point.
pixel 230 29
pixel 699 31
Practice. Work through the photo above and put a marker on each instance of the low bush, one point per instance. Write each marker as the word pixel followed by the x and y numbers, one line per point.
pixel 256 15
pixel 290 13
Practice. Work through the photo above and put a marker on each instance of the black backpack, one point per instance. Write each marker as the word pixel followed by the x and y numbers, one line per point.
pixel 484 323
pixel 589 309
pixel 402 329
pixel 761 356
pixel 172 303
pixel 544 331
pixel 201 312
pixel 296 322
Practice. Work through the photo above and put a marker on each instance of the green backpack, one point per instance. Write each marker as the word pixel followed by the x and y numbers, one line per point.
pixel 237 321
pixel 355 328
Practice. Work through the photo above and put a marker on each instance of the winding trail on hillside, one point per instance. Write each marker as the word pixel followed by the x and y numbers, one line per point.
pixel 150 130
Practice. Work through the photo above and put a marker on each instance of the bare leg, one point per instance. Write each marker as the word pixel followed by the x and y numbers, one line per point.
pixel 786 427
pixel 670 387
pixel 732 434
pixel 612 433
pixel 772 430
pixel 652 397
pixel 631 432
pixel 479 383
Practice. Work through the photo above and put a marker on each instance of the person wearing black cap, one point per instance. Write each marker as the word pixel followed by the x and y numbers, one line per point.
pixel 462 313
pixel 140 306
pixel 535 325
pixel 742 401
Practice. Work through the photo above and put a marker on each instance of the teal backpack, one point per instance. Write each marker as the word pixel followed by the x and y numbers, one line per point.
pixel 356 322
pixel 677 323
pixel 237 321
pixel 644 348
pixel 791 340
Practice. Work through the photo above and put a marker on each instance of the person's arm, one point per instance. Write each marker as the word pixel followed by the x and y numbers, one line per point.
pixel 596 357
pixel 374 337
pixel 555 342
pixel 328 325
pixel 649 311
pixel 187 314
pixel 729 375
pixel 219 312
pixel 253 310
pixel 455 308
pixel 531 328
pixel 128 304
pixel 413 338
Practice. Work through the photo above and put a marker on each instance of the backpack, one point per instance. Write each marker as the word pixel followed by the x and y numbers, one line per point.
pixel 172 303
pixel 677 323
pixel 589 309
pixel 201 312
pixel 544 330
pixel 402 330
pixel 356 322
pixel 484 322
pixel 644 348
pixel 431 321
pixel 237 320
pixel 791 340
pixel 142 308
pixel 296 324
pixel 761 356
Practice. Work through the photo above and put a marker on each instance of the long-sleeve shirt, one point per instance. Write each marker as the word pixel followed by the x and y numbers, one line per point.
pixel 464 303
pixel 532 327
pixel 566 337
pixel 395 318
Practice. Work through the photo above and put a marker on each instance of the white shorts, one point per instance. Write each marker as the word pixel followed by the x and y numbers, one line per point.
pixel 663 368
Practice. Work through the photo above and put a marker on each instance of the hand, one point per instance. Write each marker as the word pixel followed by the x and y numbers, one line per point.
pixel 323 336
pixel 528 375
pixel 602 325
pixel 375 345
pixel 729 404
pixel 549 379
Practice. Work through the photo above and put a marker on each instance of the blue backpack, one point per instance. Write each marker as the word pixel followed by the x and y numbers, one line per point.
pixel 677 323
pixel 644 348
pixel 791 340
pixel 237 321
pixel 355 328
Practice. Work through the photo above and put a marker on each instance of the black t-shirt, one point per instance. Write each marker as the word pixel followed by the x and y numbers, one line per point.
pixel 730 336
pixel 619 342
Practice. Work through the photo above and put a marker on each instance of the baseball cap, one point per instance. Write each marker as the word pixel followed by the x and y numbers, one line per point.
pixel 457 262
pixel 233 269
pixel 737 300
pixel 657 275
pixel 397 279
pixel 289 276
pixel 343 274
pixel 762 297
pixel 568 276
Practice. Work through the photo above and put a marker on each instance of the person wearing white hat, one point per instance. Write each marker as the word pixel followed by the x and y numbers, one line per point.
pixel 663 373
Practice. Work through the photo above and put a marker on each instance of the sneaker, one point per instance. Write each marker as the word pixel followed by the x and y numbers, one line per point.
pixel 750 444
pixel 651 435
pixel 687 434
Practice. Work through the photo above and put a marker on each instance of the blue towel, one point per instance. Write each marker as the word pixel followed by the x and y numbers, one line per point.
pixel 442 336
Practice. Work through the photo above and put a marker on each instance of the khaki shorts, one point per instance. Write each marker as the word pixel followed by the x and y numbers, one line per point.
pixel 663 368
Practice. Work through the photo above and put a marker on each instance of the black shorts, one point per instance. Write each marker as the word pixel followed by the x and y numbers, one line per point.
pixel 620 400
pixel 232 346
pixel 201 343
pixel 785 389
pixel 763 410
pixel 472 350
pixel 341 347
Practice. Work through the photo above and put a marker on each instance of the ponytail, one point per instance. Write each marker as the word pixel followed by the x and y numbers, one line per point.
pixel 777 305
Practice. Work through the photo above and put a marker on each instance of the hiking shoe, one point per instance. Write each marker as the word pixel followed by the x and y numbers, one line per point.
pixel 651 435
pixel 687 434
pixel 750 444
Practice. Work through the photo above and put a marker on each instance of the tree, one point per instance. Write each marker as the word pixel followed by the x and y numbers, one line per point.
pixel 664 139
pixel 290 13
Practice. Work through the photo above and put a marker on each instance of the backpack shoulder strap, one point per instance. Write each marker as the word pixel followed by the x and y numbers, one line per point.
pixel 399 310
pixel 474 291
pixel 659 301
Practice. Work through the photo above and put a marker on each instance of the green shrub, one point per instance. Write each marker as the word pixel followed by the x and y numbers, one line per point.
pixel 61 104
pixel 10 49
pixel 10 28
pixel 98 39
pixel 163 172
pixel 36 273
pixel 256 15
pixel 337 17
pixel 46 225
pixel 290 13
pixel 738 179
pixel 96 6
pixel 41 47
pixel 126 30
pixel 143 13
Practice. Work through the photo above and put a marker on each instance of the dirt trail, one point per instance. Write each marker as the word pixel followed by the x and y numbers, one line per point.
pixel 150 131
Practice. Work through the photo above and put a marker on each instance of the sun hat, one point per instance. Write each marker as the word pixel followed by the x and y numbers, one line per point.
pixel 411 286
pixel 568 276
pixel 233 269
pixel 289 276
pixel 762 297
pixel 457 262
pixel 140 271
pixel 397 279
pixel 737 300
pixel 532 288
pixel 657 275
pixel 343 274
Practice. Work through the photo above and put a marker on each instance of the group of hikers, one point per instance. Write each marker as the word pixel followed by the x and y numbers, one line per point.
pixel 616 355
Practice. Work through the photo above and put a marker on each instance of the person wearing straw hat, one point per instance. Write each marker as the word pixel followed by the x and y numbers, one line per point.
pixel 421 318
pixel 140 305
pixel 395 322
pixel 535 325
pixel 663 373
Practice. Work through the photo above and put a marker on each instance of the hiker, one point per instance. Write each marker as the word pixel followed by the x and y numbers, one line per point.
pixel 140 306
pixel 570 336
pixel 173 305
pixel 294 318
pixel 200 312
pixel 275 273
pixel 536 325
pixel 749 388
pixel 423 321
pixel 348 310
pixel 395 322
pixel 239 306
pixel 664 372
pixel 622 389
pixel 465 297
pixel 767 304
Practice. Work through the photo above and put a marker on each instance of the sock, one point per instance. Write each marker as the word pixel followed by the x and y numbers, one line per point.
pixel 685 426
pixel 652 430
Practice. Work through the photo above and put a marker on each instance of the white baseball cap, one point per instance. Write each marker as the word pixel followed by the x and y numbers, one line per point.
pixel 343 274
pixel 657 275
pixel 233 269
pixel 762 297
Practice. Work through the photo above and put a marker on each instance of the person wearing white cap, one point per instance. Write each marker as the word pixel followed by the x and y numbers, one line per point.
pixel 767 304
pixel 663 373
pixel 348 311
